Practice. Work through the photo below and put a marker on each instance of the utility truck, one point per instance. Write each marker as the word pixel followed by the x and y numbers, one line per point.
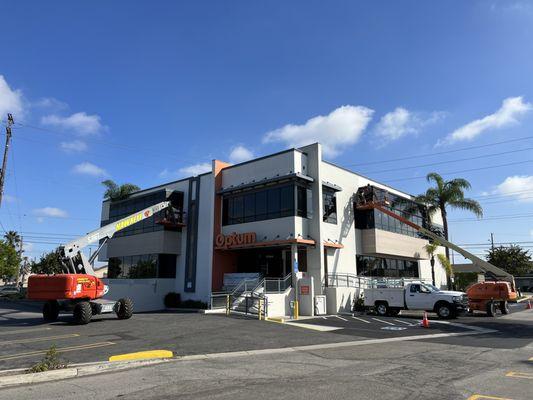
pixel 414 295
pixel 77 289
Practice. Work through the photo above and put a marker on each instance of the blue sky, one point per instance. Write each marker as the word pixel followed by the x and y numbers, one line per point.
pixel 146 92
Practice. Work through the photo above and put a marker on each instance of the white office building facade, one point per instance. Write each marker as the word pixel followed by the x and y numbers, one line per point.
pixel 287 217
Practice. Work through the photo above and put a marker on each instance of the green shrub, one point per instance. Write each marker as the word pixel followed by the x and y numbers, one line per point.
pixel 49 362
pixel 193 304
pixel 172 300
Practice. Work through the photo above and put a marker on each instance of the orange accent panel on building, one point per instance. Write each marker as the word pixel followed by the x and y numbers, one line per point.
pixel 223 261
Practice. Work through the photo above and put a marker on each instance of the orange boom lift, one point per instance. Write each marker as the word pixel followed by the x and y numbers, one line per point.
pixel 78 289
pixel 485 296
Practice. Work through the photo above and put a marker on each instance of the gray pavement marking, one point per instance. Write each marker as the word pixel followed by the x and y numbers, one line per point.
pixel 59 350
pixel 361 319
pixel 27 330
pixel 380 320
pixel 404 322
pixel 39 339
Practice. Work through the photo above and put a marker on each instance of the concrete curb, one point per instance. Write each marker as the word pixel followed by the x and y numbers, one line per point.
pixel 19 377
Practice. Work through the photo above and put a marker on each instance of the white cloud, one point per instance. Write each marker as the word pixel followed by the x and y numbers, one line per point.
pixel 190 170
pixel 11 101
pixel 80 123
pixel 87 168
pixel 519 186
pixel 50 212
pixel 508 114
pixel 76 146
pixel 340 128
pixel 50 103
pixel 402 122
pixel 195 169
pixel 240 154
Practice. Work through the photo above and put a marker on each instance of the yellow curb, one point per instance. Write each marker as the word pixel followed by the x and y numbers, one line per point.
pixel 480 396
pixel 275 319
pixel 142 355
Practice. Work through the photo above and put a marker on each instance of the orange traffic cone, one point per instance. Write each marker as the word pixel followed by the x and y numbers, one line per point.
pixel 425 321
pixel 528 306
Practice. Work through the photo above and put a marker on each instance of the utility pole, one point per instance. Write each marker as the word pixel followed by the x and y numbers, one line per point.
pixel 492 240
pixel 9 124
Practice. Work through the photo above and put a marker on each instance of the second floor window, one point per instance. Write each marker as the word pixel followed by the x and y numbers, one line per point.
pixel 330 205
pixel 263 204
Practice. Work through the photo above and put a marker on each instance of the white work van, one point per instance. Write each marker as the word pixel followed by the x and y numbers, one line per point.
pixel 415 296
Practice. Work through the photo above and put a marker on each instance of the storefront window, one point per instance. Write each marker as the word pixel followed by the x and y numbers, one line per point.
pixel 142 267
pixel 386 267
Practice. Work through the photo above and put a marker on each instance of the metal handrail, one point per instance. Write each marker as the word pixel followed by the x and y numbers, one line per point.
pixel 365 282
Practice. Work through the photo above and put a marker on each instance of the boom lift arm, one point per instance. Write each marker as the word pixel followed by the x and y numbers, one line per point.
pixel 75 262
pixel 366 200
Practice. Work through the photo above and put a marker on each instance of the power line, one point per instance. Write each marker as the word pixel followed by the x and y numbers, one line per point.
pixel 439 153
pixel 449 161
pixel 461 171
pixel 494 217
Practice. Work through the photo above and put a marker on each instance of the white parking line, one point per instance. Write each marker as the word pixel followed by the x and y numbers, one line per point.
pixel 345 320
pixel 385 322
pixel 27 330
pixel 403 322
pixel 324 317
pixel 361 319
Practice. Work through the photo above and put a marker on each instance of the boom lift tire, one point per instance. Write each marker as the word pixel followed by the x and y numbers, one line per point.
pixel 125 308
pixel 51 310
pixel 382 309
pixel 83 313
pixel 444 310
pixel 491 309
pixel 504 307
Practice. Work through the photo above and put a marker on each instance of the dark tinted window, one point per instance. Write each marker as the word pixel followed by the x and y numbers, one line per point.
pixel 330 205
pixel 268 203
pixel 389 267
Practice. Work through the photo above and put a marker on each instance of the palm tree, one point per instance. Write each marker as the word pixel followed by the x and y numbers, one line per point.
pixel 12 238
pixel 115 192
pixel 448 194
pixel 431 248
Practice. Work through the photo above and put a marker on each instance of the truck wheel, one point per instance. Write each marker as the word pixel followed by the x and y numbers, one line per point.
pixel 382 309
pixel 125 308
pixel 82 313
pixel 444 310
pixel 504 307
pixel 51 310
pixel 491 309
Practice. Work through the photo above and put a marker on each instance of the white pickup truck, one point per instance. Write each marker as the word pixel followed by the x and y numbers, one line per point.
pixel 415 296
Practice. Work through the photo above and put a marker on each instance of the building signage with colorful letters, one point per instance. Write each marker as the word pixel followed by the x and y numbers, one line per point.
pixel 235 239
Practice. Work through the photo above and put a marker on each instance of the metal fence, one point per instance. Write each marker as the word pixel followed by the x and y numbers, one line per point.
pixel 364 282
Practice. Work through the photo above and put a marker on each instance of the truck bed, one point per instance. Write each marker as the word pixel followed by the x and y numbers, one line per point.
pixel 393 296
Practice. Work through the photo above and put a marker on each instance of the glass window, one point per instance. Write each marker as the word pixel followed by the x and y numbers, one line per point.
pixel 273 203
pixel 388 267
pixel 167 266
pixel 261 205
pixel 301 201
pixel 268 203
pixel 249 207
pixel 287 201
pixel 329 205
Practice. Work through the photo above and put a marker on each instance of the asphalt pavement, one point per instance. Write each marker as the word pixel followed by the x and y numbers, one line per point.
pixel 25 337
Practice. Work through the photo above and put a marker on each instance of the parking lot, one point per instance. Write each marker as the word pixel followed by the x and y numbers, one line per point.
pixel 25 337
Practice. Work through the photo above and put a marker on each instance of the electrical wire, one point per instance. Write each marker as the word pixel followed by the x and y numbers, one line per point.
pixel 439 153
pixel 462 171
pixel 449 161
